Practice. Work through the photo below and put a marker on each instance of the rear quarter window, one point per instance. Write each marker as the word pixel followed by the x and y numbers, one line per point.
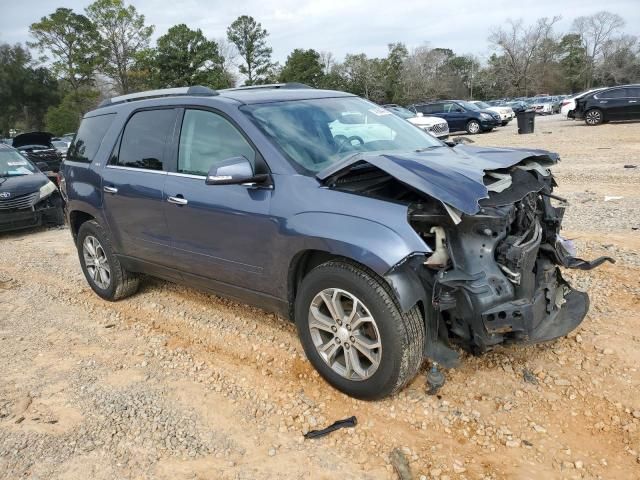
pixel 87 141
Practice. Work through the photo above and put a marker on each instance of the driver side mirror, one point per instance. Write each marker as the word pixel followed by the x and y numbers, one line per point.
pixel 234 171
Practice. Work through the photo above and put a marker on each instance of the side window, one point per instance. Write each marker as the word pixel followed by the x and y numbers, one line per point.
pixel 144 138
pixel 432 108
pixel 611 94
pixel 450 107
pixel 89 137
pixel 207 139
pixel 633 92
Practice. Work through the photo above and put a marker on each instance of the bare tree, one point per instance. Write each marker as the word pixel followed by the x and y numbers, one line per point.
pixel 519 46
pixel 620 61
pixel 327 61
pixel 596 30
pixel 229 54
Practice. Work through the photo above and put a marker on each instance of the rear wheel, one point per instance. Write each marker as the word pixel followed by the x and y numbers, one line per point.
pixel 353 332
pixel 593 117
pixel 473 127
pixel 102 269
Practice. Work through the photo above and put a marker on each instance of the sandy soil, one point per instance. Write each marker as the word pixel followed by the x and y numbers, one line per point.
pixel 177 384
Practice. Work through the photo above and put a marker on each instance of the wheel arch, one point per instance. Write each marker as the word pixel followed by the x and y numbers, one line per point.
pixel 76 219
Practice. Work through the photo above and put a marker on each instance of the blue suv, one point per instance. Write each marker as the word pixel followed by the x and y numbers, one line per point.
pixel 382 243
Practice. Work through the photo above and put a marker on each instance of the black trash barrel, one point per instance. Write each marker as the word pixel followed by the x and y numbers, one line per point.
pixel 526 121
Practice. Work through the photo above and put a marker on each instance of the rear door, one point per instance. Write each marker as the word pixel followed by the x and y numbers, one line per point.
pixel 613 102
pixel 133 183
pixel 221 232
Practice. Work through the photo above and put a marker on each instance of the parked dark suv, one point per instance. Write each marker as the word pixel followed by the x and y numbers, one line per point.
pixel 617 103
pixel 460 115
pixel 381 242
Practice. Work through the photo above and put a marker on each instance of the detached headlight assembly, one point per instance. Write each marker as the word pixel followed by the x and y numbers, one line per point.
pixel 47 189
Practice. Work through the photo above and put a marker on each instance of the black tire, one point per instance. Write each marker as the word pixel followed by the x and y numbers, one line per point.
pixel 121 282
pixel 593 117
pixel 402 335
pixel 473 127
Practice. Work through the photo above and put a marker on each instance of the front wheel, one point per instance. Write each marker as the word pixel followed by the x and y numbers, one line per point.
pixel 473 127
pixel 354 333
pixel 593 117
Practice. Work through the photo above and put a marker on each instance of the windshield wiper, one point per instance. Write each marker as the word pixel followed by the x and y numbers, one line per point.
pixel 424 149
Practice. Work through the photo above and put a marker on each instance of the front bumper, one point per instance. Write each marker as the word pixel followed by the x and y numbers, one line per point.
pixel 500 281
pixel 49 211
pixel 489 124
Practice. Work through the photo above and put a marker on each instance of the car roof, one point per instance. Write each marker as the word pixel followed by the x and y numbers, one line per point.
pixel 203 95
pixel 268 95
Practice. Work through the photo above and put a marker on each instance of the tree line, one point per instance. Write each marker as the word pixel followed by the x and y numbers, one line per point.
pixel 107 50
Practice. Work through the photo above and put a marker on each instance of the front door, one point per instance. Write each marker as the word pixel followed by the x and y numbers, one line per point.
pixel 633 103
pixel 221 232
pixel 456 116
pixel 133 182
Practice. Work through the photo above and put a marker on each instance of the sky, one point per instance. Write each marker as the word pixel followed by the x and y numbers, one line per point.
pixel 340 26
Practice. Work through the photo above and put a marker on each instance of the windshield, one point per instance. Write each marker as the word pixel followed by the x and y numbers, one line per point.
pixel 482 105
pixel 469 106
pixel 14 164
pixel 319 132
pixel 402 112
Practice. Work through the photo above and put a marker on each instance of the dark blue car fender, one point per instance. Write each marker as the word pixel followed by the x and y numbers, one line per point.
pixel 367 242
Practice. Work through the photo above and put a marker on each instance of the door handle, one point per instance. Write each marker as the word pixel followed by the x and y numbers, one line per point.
pixel 178 200
pixel 112 190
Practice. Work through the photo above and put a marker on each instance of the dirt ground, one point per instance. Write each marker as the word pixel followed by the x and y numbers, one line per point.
pixel 177 384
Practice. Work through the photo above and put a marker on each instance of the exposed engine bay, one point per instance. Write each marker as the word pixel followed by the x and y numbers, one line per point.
pixel 493 273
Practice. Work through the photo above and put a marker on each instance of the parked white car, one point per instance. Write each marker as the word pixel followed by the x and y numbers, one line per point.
pixel 544 105
pixel 506 113
pixel 568 105
pixel 436 126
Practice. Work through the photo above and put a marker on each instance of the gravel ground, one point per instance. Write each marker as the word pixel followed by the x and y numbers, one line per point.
pixel 174 383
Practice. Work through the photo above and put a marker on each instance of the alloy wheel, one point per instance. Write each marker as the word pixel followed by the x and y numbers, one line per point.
pixel 594 117
pixel 96 262
pixel 474 127
pixel 345 334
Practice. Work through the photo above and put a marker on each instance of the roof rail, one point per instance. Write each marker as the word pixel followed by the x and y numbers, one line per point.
pixel 290 85
pixel 196 90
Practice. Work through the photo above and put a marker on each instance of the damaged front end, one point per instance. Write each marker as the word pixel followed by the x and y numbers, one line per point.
pixel 493 275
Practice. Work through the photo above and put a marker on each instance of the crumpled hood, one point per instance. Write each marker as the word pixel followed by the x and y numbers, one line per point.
pixel 33 138
pixel 452 175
